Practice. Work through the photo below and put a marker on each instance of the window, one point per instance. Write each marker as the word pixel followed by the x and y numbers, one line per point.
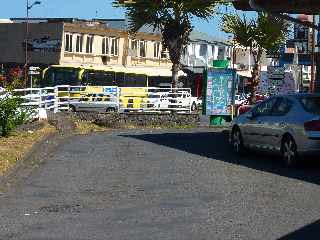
pixel 79 43
pixel 68 42
pixel 203 50
pixel 89 44
pixel 311 104
pixel 105 46
pixel 221 53
pixel 114 46
pixel 265 108
pixel 156 49
pixel 165 54
pixel 98 78
pixel 282 107
pixel 61 76
pixel 138 48
pixel 143 48
pixel 134 48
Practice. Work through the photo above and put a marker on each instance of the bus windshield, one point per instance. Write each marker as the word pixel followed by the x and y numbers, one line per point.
pixel 61 76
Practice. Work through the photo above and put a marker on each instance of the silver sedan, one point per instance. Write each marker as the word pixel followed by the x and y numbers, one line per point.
pixel 284 124
pixel 94 103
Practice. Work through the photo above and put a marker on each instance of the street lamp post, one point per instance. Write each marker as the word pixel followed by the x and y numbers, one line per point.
pixel 27 38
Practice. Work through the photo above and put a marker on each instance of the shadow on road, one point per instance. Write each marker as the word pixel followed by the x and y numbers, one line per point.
pixel 310 231
pixel 214 145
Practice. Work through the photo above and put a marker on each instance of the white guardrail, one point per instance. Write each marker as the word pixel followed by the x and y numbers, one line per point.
pixel 105 98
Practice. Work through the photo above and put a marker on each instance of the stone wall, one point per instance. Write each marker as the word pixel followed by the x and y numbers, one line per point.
pixel 125 120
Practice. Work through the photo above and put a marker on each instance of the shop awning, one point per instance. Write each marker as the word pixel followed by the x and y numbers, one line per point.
pixel 149 71
pixel 152 71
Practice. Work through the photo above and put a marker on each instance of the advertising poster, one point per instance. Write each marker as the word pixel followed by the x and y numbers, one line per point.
pixel 111 90
pixel 220 91
pixel 276 81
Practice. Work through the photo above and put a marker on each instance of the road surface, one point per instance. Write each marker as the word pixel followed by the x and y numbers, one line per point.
pixel 158 184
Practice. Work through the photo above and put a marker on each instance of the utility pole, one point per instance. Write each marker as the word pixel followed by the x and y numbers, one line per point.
pixel 26 46
pixel 316 84
pixel 313 47
pixel 28 7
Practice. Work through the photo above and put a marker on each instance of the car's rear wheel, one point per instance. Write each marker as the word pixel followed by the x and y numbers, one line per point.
pixel 237 141
pixel 289 151
pixel 72 108
pixel 111 110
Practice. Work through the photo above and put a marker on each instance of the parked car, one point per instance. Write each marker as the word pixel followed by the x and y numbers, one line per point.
pixel 4 94
pixel 169 100
pixel 95 103
pixel 245 106
pixel 286 124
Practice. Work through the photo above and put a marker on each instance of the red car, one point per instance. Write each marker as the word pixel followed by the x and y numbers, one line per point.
pixel 245 107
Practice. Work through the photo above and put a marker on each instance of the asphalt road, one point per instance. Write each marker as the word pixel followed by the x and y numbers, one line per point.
pixel 144 184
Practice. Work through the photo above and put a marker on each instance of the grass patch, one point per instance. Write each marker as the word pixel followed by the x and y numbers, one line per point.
pixel 86 127
pixel 16 146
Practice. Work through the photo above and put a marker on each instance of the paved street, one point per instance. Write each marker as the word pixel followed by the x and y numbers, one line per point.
pixel 156 184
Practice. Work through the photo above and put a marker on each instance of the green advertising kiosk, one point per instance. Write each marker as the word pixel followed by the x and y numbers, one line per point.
pixel 218 96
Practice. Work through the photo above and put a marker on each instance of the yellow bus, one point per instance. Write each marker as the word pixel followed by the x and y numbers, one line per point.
pixel 86 76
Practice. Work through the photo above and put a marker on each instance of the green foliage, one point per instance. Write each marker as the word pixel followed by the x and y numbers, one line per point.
pixel 171 17
pixel 263 33
pixel 11 114
pixel 241 28
pixel 12 79
pixel 258 35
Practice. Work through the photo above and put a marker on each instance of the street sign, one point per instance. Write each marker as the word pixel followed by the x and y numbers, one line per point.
pixel 111 90
pixel 34 73
pixel 276 72
pixel 276 81
pixel 34 70
pixel 273 55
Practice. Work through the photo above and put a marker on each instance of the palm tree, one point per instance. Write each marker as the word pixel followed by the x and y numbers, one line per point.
pixel 172 17
pixel 258 35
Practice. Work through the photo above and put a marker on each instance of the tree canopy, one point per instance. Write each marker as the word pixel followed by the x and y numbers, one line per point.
pixel 172 17
pixel 265 33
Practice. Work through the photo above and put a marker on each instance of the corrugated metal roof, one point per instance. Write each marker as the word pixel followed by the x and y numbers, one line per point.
pixel 196 36
pixel 123 24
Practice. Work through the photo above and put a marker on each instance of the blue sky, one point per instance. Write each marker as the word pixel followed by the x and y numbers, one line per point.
pixel 88 9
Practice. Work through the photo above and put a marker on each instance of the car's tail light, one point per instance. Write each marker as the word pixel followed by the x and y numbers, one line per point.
pixel 312 125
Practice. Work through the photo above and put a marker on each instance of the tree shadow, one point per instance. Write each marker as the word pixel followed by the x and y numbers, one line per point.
pixel 214 145
pixel 310 231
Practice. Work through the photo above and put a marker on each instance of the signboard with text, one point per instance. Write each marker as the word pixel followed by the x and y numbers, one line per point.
pixel 276 81
pixel 111 90
pixel 220 91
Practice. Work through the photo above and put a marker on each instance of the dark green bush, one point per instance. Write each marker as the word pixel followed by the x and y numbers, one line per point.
pixel 11 114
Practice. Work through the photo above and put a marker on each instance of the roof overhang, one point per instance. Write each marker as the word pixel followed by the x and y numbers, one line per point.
pixel 279 6
pixel 149 71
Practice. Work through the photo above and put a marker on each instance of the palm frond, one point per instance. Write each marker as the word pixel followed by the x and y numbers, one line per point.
pixel 266 32
pixel 241 28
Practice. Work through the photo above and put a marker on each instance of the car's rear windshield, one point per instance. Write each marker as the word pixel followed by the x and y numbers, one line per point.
pixel 311 104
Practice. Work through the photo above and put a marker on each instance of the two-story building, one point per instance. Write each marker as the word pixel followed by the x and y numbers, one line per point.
pixel 79 51
pixel 199 54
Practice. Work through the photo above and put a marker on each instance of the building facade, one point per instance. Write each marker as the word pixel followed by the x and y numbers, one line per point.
pixel 104 45
pixel 200 53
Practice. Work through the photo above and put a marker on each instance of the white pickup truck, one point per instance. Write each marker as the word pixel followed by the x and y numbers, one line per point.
pixel 174 101
pixel 4 94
